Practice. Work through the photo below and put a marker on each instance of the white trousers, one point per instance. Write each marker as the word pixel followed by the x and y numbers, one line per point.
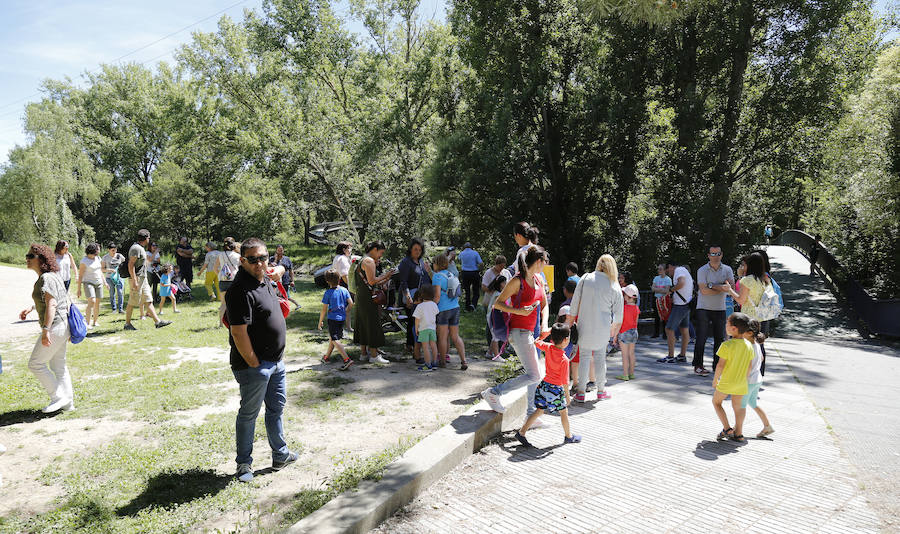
pixel 49 363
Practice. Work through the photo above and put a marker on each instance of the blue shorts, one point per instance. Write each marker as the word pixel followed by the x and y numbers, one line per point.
pixel 335 329
pixel 752 394
pixel 448 317
pixel 628 336
pixel 680 317
pixel 549 398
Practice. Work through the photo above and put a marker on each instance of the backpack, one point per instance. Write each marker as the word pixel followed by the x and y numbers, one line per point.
pixel 123 269
pixel 229 269
pixel 769 306
pixel 452 286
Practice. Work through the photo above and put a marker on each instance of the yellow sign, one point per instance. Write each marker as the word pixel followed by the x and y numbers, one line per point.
pixel 548 274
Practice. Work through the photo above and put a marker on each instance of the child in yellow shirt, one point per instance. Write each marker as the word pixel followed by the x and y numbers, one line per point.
pixel 735 356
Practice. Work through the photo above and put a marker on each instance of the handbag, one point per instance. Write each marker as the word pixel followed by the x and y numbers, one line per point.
pixel 664 307
pixel 77 324
pixel 379 296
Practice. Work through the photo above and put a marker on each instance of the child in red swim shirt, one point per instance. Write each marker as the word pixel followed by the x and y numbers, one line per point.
pixel 628 334
pixel 552 394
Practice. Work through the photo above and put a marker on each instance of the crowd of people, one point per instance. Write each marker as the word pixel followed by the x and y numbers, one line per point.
pixel 600 313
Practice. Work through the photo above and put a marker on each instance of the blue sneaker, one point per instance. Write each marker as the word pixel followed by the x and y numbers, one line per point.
pixel 574 439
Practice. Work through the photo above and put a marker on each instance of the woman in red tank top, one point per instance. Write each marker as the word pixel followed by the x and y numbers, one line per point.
pixel 526 293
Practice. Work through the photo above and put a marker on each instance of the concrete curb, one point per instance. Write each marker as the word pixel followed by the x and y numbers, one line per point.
pixel 362 509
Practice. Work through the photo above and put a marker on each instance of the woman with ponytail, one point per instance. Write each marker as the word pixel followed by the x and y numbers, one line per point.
pixel 525 236
pixel 527 297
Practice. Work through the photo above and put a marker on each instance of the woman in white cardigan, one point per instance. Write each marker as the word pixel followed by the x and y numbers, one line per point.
pixel 596 308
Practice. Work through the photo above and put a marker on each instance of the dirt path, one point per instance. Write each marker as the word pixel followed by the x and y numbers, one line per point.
pixel 15 286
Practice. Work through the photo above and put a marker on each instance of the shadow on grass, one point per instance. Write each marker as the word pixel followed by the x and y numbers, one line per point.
pixel 23 416
pixel 176 487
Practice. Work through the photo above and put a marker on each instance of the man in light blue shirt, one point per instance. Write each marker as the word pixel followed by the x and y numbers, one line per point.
pixel 470 277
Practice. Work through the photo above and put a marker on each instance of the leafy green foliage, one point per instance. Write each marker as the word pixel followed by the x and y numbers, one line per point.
pixel 644 128
pixel 857 198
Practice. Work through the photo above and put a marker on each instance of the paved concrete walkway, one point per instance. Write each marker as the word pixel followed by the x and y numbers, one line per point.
pixel 650 463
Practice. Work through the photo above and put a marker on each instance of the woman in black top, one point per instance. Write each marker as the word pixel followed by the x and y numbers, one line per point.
pixel 414 272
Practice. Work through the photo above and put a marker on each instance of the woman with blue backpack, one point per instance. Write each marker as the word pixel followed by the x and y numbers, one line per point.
pixel 448 312
pixel 52 304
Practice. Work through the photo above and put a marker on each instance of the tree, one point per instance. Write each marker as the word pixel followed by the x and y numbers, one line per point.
pixel 856 202
pixel 43 180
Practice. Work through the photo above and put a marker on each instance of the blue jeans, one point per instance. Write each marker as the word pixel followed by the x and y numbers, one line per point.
pixel 115 293
pixel 264 383
pixel 522 342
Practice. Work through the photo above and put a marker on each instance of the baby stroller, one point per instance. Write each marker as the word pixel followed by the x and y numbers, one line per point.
pixel 181 290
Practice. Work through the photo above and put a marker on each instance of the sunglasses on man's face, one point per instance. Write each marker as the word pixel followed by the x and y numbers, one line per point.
pixel 715 253
pixel 30 256
pixel 253 260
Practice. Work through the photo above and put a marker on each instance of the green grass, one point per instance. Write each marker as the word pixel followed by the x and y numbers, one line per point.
pixel 161 477
pixel 354 470
pixel 13 254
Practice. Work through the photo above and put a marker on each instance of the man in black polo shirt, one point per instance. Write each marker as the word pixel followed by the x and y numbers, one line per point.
pixel 257 338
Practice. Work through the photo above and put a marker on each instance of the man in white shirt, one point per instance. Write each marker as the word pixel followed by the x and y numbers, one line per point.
pixel 682 292
pixel 713 281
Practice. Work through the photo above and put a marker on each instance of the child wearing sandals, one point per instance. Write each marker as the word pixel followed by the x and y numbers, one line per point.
pixel 336 302
pixel 628 334
pixel 754 381
pixel 552 394
pixel 425 315
pixel 735 356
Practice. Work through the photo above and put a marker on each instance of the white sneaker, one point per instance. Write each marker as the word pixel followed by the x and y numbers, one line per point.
pixel 380 359
pixel 69 407
pixel 57 405
pixel 244 473
pixel 493 400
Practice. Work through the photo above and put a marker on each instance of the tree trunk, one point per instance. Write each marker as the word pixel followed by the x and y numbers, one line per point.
pixel 688 121
pixel 307 222
pixel 722 173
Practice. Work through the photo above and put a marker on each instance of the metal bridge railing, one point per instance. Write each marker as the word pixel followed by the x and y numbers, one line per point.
pixel 880 317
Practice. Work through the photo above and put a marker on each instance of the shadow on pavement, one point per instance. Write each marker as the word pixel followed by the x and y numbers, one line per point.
pixel 471 399
pixel 523 453
pixel 711 450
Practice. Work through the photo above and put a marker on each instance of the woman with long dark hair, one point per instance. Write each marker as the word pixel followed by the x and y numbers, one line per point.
pixel 526 291
pixel 51 301
pixel 368 333
pixel 752 287
pixel 414 273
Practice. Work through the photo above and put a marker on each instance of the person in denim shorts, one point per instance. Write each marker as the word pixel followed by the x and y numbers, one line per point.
pixel 680 318
pixel 448 315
